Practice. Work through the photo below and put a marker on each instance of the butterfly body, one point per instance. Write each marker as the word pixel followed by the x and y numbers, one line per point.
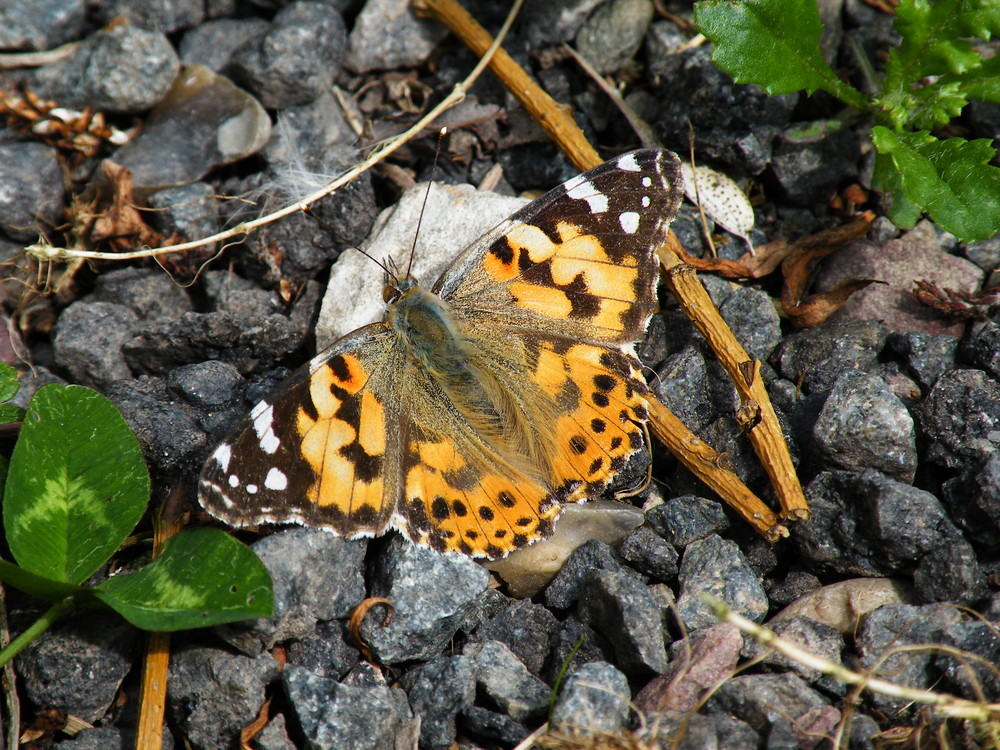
pixel 476 408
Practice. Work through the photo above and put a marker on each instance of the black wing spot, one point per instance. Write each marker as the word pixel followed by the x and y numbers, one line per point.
pixel 506 499
pixel 598 425
pixel 605 382
pixel 459 507
pixel 523 521
pixel 439 509
pixel 485 512
pixel 615 442
pixel 338 364
pixel 578 444
pixel 596 466
pixel 600 400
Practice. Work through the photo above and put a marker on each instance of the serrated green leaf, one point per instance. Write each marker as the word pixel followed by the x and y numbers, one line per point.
pixel 932 40
pixel 982 83
pixel 77 484
pixel 887 181
pixel 40 586
pixel 8 382
pixel 204 577
pixel 951 180
pixel 773 44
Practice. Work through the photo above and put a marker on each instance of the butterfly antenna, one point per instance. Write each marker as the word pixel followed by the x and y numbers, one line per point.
pixel 413 250
pixel 326 226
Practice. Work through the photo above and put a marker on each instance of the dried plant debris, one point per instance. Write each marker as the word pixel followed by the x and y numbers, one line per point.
pixel 86 132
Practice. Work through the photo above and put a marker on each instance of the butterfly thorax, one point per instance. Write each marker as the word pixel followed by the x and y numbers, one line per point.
pixel 440 347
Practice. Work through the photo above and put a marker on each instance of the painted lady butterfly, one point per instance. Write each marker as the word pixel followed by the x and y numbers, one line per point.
pixel 477 408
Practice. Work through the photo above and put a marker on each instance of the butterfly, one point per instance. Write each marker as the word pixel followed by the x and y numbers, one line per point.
pixel 478 407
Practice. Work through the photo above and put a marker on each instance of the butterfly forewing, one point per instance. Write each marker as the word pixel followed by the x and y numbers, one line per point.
pixel 546 307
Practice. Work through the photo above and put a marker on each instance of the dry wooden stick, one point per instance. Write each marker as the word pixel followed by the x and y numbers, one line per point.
pixel 756 414
pixel 770 445
pixel 153 691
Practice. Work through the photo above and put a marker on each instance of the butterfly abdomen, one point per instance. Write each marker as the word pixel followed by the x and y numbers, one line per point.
pixel 438 343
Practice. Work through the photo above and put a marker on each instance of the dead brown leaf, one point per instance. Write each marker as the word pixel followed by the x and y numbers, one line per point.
pixel 957 303
pixel 121 224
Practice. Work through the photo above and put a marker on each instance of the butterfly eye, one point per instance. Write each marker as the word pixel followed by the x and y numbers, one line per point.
pixel 389 293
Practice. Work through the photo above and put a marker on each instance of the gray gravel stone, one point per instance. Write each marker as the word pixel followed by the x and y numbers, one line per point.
pixel 690 731
pixel 212 695
pixel 156 15
pixel 682 520
pixel 525 628
pixel 811 170
pixel 594 700
pixel 387 34
pixel 151 294
pixel 815 637
pixel 167 427
pixel 816 357
pixel 89 339
pixel 625 612
pixel 650 554
pixel 717 567
pixel 298 57
pixel 683 385
pixel 926 355
pixel 431 595
pixel 32 196
pixel 551 23
pixel 333 716
pixel 984 347
pixel 78 666
pixel 961 419
pixel 213 43
pixel 274 736
pixel 752 317
pixel 209 384
pixel 326 651
pixel 110 738
pixel 574 645
pixel 122 70
pixel 493 726
pixel 973 500
pixel 438 691
pixel 40 25
pixel 504 679
pixel 863 425
pixel 317 576
pixel 192 211
pixel 614 32
pixel 762 699
pixel 741 134
pixel 564 590
pixel 882 633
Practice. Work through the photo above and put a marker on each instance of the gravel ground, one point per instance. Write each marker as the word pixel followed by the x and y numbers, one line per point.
pixel 892 411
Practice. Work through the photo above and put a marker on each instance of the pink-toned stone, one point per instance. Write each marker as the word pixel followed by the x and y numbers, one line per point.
pixel 900 264
pixel 712 658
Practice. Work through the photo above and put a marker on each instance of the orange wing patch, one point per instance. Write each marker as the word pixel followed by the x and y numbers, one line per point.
pixel 342 433
pixel 454 507
pixel 602 402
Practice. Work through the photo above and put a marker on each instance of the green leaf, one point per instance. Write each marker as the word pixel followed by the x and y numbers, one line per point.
pixel 951 180
pixel 10 413
pixel 932 42
pixel 773 44
pixel 204 577
pixel 887 181
pixel 982 83
pixel 8 382
pixel 40 586
pixel 77 484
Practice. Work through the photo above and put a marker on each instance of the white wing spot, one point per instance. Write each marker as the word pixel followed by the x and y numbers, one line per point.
pixel 263 416
pixel 234 481
pixel 276 480
pixel 645 201
pixel 646 182
pixel 583 190
pixel 252 489
pixel 222 455
pixel 628 163
pixel 629 221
